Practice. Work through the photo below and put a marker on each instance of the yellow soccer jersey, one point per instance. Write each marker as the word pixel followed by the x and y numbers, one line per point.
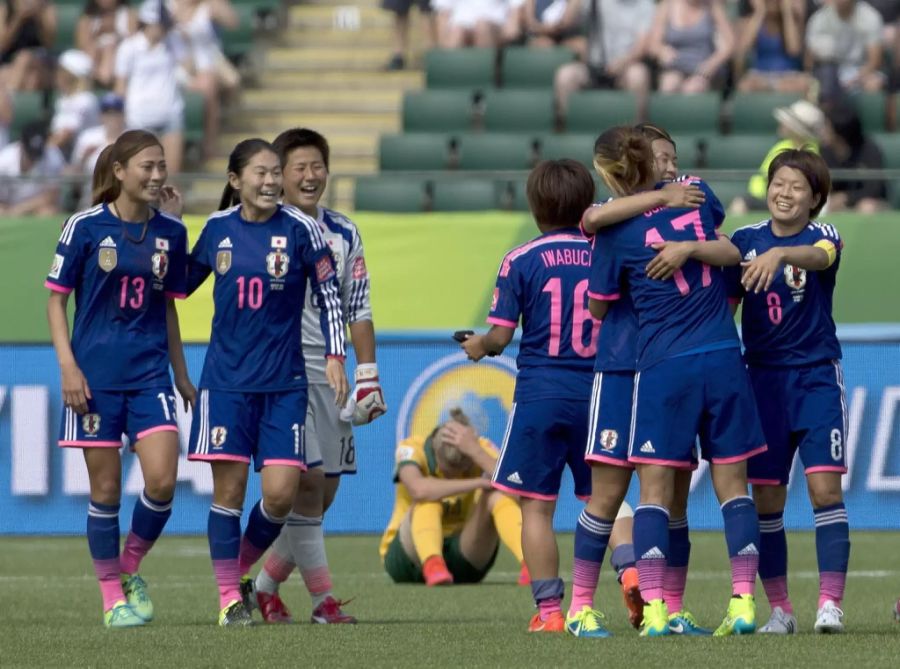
pixel 420 452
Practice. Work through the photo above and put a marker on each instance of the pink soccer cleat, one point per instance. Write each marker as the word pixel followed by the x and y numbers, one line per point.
pixel 329 613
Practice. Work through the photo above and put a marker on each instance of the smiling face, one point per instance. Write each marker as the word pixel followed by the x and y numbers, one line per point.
pixel 143 175
pixel 790 198
pixel 259 182
pixel 305 178
pixel 665 160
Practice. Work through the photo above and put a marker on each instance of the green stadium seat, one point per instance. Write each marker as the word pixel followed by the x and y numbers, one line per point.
pixel 193 117
pixel 496 152
pixel 28 106
pixel 238 41
pixel 752 112
pixel 576 147
pixel 519 111
pixel 889 143
pixel 726 191
pixel 455 194
pixel 66 22
pixel 737 152
pixel 460 68
pixel 594 111
pixel 687 148
pixel 872 110
pixel 532 68
pixel 386 193
pixel 698 113
pixel 415 151
pixel 437 111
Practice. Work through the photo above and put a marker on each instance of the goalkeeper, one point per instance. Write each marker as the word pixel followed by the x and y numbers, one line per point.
pixel 330 451
pixel 448 522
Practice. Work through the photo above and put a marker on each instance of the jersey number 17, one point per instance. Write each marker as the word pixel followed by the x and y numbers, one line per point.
pixel 681 223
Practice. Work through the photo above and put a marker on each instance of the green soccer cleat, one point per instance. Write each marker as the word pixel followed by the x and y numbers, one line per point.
pixel 740 618
pixel 683 623
pixel 135 589
pixel 587 623
pixel 235 615
pixel 122 615
pixel 656 619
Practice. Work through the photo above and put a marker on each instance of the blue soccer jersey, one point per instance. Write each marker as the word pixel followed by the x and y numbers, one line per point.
pixel 545 282
pixel 791 323
pixel 685 315
pixel 122 274
pixel 261 270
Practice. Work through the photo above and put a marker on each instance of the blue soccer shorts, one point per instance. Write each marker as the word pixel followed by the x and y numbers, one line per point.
pixel 268 428
pixel 542 437
pixel 801 408
pixel 610 419
pixel 113 413
pixel 705 395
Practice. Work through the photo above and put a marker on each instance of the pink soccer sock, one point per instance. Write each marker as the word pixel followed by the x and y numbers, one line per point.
pixel 674 582
pixel 249 555
pixel 831 586
pixel 228 578
pixel 585 575
pixel 135 550
pixel 743 574
pixel 777 593
pixel 548 606
pixel 110 582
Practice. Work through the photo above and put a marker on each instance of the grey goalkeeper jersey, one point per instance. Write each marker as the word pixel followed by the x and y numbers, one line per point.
pixel 343 239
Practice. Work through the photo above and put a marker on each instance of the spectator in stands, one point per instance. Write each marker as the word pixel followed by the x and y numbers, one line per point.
pixel 555 23
pixel 477 23
pixel 6 114
pixel 845 147
pixel 76 105
pixel 400 10
pixel 844 45
pixel 42 163
pixel 800 126
pixel 93 140
pixel 514 29
pixel 198 22
pixel 27 34
pixel 102 26
pixel 151 67
pixel 617 43
pixel 692 40
pixel 770 42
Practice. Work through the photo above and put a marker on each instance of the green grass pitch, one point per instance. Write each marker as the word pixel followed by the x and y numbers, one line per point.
pixel 50 615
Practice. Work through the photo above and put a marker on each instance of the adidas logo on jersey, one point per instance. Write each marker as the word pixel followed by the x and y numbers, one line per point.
pixel 514 478
pixel 647 447
pixel 108 242
pixel 750 255
pixel 749 549
pixel 654 554
pixel 225 243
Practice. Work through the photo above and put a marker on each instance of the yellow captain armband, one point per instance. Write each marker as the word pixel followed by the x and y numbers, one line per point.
pixel 829 248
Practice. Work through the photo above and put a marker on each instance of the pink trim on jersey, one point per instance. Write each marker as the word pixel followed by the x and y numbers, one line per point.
pixel 57 288
pixel 176 296
pixel 284 462
pixel 741 457
pixel 90 444
pixel 825 468
pixel 674 464
pixel 583 498
pixel 524 493
pixel 525 248
pixel 493 320
pixel 604 298
pixel 158 428
pixel 606 460
pixel 224 456
pixel 734 300
pixel 764 481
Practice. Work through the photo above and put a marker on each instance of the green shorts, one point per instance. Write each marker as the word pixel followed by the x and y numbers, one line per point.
pixel 403 570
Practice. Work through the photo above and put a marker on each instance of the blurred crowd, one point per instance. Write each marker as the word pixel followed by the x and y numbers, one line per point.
pixel 129 68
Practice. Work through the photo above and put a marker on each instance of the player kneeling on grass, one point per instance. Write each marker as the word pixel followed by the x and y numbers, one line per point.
pixel 447 521
pixel 793 356
pixel 545 283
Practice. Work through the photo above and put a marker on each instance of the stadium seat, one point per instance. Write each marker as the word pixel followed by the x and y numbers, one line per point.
pixel 594 111
pixel 687 147
pixel 437 111
pixel 698 113
pixel 455 194
pixel 752 112
pixel 889 143
pixel 460 68
pixel 193 117
pixel 497 152
pixel 872 111
pixel 524 67
pixel 519 111
pixel 736 152
pixel 576 147
pixel 386 193
pixel 28 106
pixel 237 41
pixel 415 151
pixel 726 191
pixel 66 21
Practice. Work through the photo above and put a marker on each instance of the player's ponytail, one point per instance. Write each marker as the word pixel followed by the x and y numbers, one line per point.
pixel 105 187
pixel 239 158
pixel 623 158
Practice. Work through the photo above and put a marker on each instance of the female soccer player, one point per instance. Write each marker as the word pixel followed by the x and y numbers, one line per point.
pixel 253 393
pixel 330 451
pixel 126 262
pixel 610 425
pixel 793 356
pixel 690 379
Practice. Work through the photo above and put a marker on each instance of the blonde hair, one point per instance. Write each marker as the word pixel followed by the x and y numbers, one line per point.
pixel 450 453
pixel 624 159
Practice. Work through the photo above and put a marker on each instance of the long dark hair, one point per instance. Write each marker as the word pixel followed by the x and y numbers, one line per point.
pixel 237 161
pixel 104 186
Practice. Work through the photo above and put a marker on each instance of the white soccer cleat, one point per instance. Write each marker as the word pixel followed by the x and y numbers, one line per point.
pixel 779 623
pixel 829 619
